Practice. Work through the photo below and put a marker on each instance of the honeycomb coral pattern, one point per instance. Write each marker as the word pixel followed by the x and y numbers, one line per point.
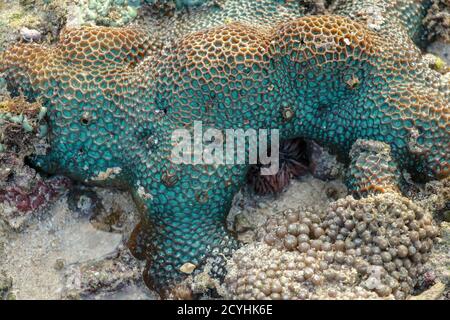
pixel 332 65
pixel 74 78
pixel 372 169
pixel 115 97
pixel 374 247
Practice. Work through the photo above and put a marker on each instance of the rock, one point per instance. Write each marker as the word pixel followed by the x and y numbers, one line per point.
pixel 241 223
pixel 30 35
pixel 59 264
pixel 116 277
pixel 82 242
pixel 446 216
pixel 58 240
pixel 323 165
pixel 440 49
pixel 434 293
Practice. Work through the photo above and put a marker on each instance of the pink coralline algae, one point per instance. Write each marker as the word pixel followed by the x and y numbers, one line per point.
pixel 37 196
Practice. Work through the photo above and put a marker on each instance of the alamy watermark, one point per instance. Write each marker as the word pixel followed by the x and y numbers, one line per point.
pixel 214 146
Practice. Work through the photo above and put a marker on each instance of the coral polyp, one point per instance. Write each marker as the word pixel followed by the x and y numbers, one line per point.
pixel 115 96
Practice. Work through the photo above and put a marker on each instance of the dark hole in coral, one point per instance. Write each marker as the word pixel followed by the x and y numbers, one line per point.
pixel 28 160
pixel 10 177
pixel 322 108
pixel 420 130
pixel 84 121
pixel 83 201
pixel 294 162
pixel 417 174
pixel 145 134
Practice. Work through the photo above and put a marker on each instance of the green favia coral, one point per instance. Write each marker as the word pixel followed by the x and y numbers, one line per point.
pixel 115 96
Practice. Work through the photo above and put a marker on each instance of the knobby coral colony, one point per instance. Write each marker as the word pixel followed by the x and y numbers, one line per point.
pixel 115 97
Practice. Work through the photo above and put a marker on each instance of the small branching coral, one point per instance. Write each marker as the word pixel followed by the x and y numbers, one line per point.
pixel 114 100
